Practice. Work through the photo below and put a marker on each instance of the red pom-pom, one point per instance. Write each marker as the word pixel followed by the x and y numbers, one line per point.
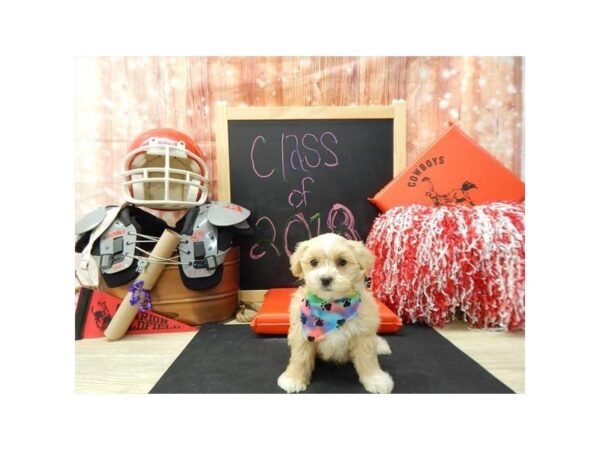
pixel 436 263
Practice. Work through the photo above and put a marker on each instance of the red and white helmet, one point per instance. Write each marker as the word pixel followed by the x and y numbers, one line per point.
pixel 165 169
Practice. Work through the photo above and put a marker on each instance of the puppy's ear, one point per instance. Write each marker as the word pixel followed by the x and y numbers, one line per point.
pixel 363 255
pixel 295 265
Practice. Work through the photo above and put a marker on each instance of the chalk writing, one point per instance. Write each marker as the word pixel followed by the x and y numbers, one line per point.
pixel 300 194
pixel 340 220
pixel 259 249
pixel 295 153
pixel 252 158
pixel 302 178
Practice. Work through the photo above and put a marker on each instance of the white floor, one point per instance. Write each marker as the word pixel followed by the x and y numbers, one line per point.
pixel 135 363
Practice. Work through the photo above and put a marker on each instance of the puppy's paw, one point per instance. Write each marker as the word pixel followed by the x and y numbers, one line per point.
pixel 289 384
pixel 379 383
pixel 383 348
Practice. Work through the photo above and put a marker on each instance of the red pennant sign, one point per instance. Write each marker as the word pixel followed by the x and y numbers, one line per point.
pixel 102 308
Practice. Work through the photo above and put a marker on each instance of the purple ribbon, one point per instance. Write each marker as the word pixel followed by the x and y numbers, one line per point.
pixel 140 296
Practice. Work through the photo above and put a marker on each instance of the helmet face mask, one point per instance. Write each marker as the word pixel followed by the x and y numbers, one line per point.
pixel 165 173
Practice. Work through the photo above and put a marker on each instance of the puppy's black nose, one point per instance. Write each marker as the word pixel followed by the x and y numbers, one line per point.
pixel 326 281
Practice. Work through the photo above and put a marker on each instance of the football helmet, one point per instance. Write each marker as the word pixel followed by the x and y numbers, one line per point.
pixel 165 169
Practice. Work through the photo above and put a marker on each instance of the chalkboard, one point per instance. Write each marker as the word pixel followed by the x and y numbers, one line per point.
pixel 301 178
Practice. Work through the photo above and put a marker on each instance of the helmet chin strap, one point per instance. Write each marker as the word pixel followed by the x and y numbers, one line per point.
pixel 138 188
pixel 192 193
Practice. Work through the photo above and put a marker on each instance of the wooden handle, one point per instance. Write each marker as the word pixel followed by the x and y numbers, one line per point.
pixel 125 314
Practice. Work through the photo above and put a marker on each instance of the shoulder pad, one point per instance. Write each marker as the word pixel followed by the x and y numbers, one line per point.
pixel 90 220
pixel 224 214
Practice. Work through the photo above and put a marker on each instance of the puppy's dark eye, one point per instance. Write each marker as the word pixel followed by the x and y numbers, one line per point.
pixel 342 262
pixel 314 262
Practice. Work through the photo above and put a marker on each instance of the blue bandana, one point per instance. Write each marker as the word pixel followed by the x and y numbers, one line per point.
pixel 319 317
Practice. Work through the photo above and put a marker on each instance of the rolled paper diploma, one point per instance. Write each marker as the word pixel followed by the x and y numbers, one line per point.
pixel 126 313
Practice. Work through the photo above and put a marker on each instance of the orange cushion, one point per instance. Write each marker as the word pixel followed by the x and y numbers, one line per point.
pixel 273 316
pixel 453 170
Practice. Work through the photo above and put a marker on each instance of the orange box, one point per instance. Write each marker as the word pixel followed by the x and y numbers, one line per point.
pixel 273 316
pixel 454 170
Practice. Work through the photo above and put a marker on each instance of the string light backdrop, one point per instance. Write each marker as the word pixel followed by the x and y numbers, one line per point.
pixel 118 98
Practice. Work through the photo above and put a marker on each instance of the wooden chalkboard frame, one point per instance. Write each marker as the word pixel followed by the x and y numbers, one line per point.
pixel 223 114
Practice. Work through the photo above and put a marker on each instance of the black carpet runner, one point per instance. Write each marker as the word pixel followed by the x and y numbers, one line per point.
pixel 232 359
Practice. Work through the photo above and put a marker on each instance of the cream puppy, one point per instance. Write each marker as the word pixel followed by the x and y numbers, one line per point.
pixel 333 316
